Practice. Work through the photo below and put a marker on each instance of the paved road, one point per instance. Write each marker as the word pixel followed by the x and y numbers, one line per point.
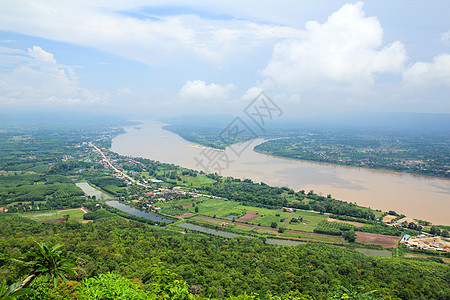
pixel 131 179
pixel 114 168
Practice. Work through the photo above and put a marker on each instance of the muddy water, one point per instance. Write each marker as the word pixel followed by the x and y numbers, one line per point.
pixel 416 196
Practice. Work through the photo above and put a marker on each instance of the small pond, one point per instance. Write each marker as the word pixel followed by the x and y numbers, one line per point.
pixel 230 217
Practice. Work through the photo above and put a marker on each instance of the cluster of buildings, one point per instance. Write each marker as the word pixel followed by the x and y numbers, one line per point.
pixel 122 177
pixel 424 242
pixel 160 194
pixel 148 199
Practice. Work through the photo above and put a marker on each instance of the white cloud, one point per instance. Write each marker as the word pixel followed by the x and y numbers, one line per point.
pixel 40 55
pixel 40 80
pixel 9 56
pixel 199 90
pixel 154 40
pixel 339 61
pixel 426 74
pixel 345 50
pixel 7 50
pixel 251 93
pixel 124 91
pixel 445 37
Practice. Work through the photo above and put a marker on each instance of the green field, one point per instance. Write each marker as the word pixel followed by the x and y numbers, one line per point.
pixel 261 231
pixel 39 216
pixel 197 181
pixel 186 180
pixel 268 216
pixel 207 206
pixel 213 212
pixel 220 208
pixel 175 208
pixel 215 222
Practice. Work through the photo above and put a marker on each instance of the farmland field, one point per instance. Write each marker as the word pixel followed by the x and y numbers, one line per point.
pixel 220 209
pixel 206 206
pixel 296 224
pixel 209 220
pixel 310 220
pixel 357 224
pixel 386 241
pixel 39 216
pixel 198 181
pixel 184 215
pixel 250 215
pixel 243 228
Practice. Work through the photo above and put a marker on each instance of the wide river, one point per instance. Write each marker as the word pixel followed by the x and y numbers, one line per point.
pixel 416 196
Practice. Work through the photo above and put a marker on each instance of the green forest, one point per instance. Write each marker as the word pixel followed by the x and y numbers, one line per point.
pixel 216 267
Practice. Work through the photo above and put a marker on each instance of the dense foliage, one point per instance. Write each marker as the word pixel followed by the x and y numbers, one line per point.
pixel 330 205
pixel 110 286
pixel 110 184
pixel 28 192
pixel 220 267
pixel 333 228
pixel 248 193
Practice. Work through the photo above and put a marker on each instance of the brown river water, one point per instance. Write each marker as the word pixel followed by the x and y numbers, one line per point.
pixel 421 197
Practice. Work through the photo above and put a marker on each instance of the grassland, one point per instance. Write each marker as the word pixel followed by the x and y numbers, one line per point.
pixel 282 219
pixel 187 180
pixel 75 214
pixel 197 181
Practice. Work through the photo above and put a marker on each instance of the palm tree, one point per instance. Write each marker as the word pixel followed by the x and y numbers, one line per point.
pixel 46 261
pixel 7 293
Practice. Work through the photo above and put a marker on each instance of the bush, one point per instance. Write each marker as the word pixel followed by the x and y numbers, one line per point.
pixel 349 236
pixel 98 214
pixel 332 228
pixel 110 286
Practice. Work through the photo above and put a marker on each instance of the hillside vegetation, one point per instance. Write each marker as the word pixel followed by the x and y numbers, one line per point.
pixel 215 267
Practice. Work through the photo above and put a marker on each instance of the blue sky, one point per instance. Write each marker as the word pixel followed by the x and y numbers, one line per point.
pixel 152 58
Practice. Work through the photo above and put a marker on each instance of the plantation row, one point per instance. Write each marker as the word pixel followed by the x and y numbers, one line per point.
pixel 332 228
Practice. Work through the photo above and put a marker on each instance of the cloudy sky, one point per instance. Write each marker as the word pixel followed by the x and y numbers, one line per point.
pixel 159 57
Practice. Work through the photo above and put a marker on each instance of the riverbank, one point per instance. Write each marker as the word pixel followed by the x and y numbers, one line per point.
pixel 242 219
pixel 351 157
pixel 341 164
pixel 401 192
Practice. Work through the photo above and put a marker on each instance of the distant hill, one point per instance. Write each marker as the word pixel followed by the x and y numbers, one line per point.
pixel 59 119
pixel 363 120
pixel 371 120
